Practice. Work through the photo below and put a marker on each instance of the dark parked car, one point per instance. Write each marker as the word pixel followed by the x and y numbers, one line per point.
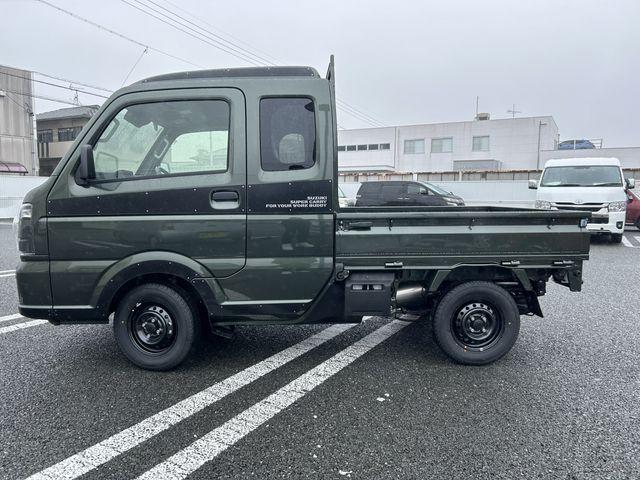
pixel 633 209
pixel 404 194
pixel 575 145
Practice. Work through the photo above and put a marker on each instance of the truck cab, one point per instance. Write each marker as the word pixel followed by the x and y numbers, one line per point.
pixel 202 200
pixel 593 184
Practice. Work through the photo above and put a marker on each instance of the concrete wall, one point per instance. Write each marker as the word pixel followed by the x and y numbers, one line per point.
pixel 16 120
pixel 629 157
pixel 512 142
pixel 13 188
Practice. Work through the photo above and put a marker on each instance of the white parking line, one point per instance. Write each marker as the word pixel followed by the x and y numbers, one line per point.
pixel 6 318
pixel 637 237
pixel 627 243
pixel 100 453
pixel 7 271
pixel 21 326
pixel 189 459
pixel 3 275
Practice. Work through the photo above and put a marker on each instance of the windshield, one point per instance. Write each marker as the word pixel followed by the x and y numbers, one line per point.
pixel 437 189
pixel 582 176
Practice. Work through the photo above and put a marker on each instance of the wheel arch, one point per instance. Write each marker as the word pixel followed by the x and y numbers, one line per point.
pixel 514 280
pixel 167 268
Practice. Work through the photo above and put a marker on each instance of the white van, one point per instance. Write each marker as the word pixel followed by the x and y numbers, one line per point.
pixel 592 184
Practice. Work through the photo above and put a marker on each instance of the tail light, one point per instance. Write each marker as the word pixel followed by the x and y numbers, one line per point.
pixel 26 243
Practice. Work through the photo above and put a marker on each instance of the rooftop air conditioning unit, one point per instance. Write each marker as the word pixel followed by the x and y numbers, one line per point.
pixel 483 116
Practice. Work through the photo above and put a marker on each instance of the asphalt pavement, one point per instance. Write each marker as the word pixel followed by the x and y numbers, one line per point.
pixel 374 400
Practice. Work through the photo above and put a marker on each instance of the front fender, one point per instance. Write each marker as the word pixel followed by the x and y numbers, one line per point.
pixel 154 263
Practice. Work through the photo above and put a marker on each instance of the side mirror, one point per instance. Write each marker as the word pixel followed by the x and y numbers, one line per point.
pixel 533 184
pixel 631 183
pixel 87 169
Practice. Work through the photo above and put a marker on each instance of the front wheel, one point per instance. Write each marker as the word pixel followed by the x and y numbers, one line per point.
pixel 476 323
pixel 616 238
pixel 155 327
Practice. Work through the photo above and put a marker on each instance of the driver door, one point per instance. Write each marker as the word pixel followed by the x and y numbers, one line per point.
pixel 170 176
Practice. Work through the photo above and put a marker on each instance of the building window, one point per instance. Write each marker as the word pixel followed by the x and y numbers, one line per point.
pixel 45 136
pixel 414 146
pixel 385 146
pixel 362 147
pixel 68 134
pixel 442 145
pixel 481 144
pixel 373 146
pixel 341 148
pixel 351 148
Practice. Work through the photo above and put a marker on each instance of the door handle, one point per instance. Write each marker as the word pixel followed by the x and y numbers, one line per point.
pixel 225 199
pixel 360 225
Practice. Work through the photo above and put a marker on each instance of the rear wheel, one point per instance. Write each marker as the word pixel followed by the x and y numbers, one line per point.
pixel 638 223
pixel 476 323
pixel 616 238
pixel 155 327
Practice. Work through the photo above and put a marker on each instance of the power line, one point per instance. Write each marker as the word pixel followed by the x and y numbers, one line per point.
pixel 44 97
pixel 117 34
pixel 273 60
pixel 343 105
pixel 55 85
pixel 190 31
pixel 228 43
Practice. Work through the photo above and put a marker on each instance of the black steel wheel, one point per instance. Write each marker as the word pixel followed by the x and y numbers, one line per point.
pixel 151 327
pixel 476 323
pixel 155 327
pixel 477 326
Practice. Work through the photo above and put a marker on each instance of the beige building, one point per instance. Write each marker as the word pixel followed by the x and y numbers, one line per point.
pixel 17 148
pixel 56 132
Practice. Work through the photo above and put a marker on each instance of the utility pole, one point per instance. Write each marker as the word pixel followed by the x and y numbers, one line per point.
pixel 540 124
pixel 513 111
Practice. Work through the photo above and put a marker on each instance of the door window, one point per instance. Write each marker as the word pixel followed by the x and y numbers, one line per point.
pixel 415 189
pixel 164 138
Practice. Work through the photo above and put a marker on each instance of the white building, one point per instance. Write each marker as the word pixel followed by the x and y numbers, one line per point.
pixel 17 143
pixel 505 144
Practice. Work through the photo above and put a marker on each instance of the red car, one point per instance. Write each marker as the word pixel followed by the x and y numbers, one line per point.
pixel 633 209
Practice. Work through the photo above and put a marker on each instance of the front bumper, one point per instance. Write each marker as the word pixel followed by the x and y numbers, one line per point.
pixel 607 222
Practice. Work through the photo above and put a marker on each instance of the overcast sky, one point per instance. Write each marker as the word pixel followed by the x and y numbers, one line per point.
pixel 402 62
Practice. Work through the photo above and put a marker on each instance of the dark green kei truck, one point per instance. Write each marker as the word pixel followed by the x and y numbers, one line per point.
pixel 196 201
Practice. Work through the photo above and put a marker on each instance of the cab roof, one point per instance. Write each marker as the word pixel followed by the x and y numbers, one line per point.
pixel 236 73
pixel 566 162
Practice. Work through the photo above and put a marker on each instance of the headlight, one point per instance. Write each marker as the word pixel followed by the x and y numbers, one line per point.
pixel 25 229
pixel 617 206
pixel 542 204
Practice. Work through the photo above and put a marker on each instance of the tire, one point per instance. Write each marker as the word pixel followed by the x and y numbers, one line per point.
pixel 616 238
pixel 638 223
pixel 476 323
pixel 155 327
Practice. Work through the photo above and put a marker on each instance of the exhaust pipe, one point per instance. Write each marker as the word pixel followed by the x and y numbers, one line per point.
pixel 410 296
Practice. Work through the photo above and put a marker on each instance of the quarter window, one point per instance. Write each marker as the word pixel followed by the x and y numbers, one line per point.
pixel 441 145
pixel 164 138
pixel 481 144
pixel 287 133
pixel 414 146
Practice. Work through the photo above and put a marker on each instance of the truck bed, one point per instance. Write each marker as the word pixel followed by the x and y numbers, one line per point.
pixel 443 237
